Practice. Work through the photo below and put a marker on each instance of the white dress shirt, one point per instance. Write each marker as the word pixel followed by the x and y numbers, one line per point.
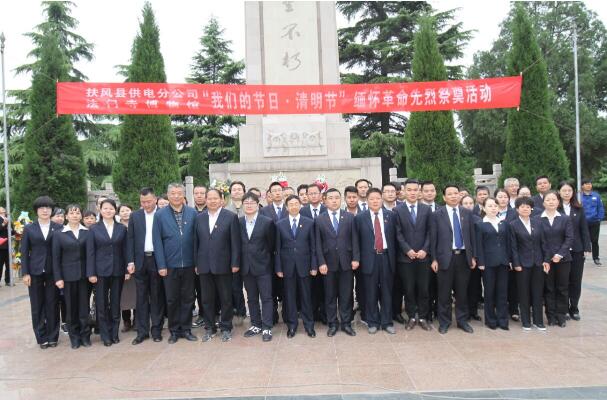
pixel 494 222
pixel 45 228
pixel 550 220
pixel 360 204
pixel 76 233
pixel 149 224
pixel 450 214
pixel 109 228
pixel 293 219
pixel 282 207
pixel 567 208
pixel 213 219
pixel 250 224
pixel 312 208
pixel 381 223
pixel 527 224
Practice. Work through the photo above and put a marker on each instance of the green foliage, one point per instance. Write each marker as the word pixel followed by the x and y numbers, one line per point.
pixel 385 145
pixel 147 154
pixel 218 134
pixel 433 150
pixel 484 130
pixel 533 146
pixel 52 162
pixel 198 167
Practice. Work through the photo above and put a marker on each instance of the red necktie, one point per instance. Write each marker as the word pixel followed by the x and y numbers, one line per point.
pixel 379 242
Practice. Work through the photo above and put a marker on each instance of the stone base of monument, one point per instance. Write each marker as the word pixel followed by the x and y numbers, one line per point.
pixel 338 173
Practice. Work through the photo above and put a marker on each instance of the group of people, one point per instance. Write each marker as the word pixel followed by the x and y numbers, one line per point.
pixel 312 254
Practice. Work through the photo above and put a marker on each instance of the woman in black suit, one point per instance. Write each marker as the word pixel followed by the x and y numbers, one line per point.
pixel 493 254
pixel 37 269
pixel 557 239
pixel 527 260
pixel 581 244
pixel 475 287
pixel 106 268
pixel 69 269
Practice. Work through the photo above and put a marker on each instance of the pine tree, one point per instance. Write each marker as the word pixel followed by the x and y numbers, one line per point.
pixel 53 163
pixel 213 63
pixel 197 167
pixel 147 155
pixel 432 148
pixel 533 146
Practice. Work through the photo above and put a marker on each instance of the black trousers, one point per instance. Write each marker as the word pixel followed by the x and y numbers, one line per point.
pixel 296 287
pixel 108 292
pixel 76 295
pixel 259 289
pixel 150 298
pixel 238 302
pixel 513 300
pixel 475 290
pixel 433 292
pixel 359 291
pixel 495 282
pixel 44 307
pixel 556 290
pixel 318 298
pixel 4 266
pixel 594 228
pixel 179 289
pixel 455 278
pixel 575 281
pixel 213 286
pixel 415 278
pixel 339 294
pixel 378 288
pixel 398 294
pixel 530 285
pixel 198 294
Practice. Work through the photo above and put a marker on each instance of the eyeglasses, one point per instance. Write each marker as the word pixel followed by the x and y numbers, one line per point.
pixel 249 203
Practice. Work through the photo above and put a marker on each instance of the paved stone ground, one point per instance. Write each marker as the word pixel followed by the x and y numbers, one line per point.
pixel 566 363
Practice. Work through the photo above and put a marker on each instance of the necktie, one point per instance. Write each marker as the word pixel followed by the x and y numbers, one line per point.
pixel 457 231
pixel 364 206
pixel 278 212
pixel 413 216
pixel 315 213
pixel 379 242
pixel 335 222
pixel 294 228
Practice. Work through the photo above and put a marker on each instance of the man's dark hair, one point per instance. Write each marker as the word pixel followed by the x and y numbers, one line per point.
pixel 145 191
pixel 523 200
pixel 200 186
pixel 411 181
pixel 316 185
pixel 244 189
pixel 537 178
pixel 292 197
pixel 450 185
pixel 481 187
pixel 215 190
pixel 350 189
pixel 252 196
pixel 302 186
pixel 586 180
pixel 332 190
pixel 373 190
pixel 89 213
pixel 389 184
pixel 275 183
pixel 363 180
pixel 425 183
pixel 255 189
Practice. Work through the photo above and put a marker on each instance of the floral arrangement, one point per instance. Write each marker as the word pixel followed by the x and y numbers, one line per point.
pixel 321 181
pixel 18 227
pixel 280 178
pixel 223 187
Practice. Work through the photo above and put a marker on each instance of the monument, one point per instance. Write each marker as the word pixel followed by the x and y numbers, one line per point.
pixel 294 43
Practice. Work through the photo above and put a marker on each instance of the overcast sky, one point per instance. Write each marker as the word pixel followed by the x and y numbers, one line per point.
pixel 111 25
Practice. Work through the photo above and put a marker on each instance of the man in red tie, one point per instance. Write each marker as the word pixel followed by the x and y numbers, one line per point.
pixel 376 246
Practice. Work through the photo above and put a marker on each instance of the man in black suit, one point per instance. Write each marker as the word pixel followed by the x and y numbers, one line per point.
pixel 452 248
pixel 376 253
pixel 216 257
pixel 412 262
pixel 141 262
pixel 335 244
pixel 258 238
pixel 389 192
pixel 543 186
pixel 480 193
pixel 295 261
pixel 314 207
pixel 362 187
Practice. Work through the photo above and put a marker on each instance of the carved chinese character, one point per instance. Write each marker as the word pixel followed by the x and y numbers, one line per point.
pixel 291 62
pixel 288 6
pixel 290 31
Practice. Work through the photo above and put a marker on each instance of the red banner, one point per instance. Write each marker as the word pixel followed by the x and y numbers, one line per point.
pixel 168 98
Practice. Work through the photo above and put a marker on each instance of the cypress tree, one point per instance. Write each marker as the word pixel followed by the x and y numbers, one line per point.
pixel 52 163
pixel 433 150
pixel 147 155
pixel 533 146
pixel 198 168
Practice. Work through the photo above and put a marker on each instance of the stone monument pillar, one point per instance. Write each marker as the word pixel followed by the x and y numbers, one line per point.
pixel 294 43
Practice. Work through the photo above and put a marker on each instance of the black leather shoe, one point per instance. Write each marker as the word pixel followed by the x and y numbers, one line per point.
pixel 443 329
pixel 425 325
pixel 75 345
pixel 331 331
pixel 44 346
pixel 188 336
pixel 52 344
pixel 348 330
pixel 465 327
pixel 116 340
pixel 290 333
pixel 107 343
pixel 399 318
pixel 157 339
pixel 139 340
pixel 504 328
pixel 562 323
pixel 410 325
pixel 86 341
pixel 492 327
pixel 173 338
pixel 311 333
pixel 575 316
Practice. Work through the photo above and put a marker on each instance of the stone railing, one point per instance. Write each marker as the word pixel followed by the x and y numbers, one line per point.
pixel 480 179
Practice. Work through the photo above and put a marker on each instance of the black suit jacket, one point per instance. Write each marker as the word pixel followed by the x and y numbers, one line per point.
pixel 366 240
pixel 136 239
pixel 270 212
pixel 106 256
pixel 306 210
pixel 538 203
pixel 218 251
pixel 36 256
pixel 441 235
pixel 256 252
pixel 412 236
pixel 69 255
pixel 558 238
pixel 335 249
pixel 492 247
pixel 526 248
pixel 295 254
pixel 3 234
pixel 581 234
